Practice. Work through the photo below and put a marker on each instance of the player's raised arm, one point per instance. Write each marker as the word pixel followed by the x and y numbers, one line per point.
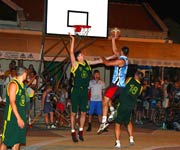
pixel 114 47
pixel 115 33
pixel 72 57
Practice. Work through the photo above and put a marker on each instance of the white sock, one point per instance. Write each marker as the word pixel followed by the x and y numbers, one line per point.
pixel 117 141
pixel 111 108
pixel 72 130
pixel 80 129
pixel 131 137
pixel 104 119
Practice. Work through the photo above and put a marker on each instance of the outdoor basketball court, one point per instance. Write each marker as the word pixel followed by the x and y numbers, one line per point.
pixel 89 18
pixel 146 138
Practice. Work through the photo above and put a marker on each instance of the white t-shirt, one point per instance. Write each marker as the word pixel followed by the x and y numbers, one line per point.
pixel 96 88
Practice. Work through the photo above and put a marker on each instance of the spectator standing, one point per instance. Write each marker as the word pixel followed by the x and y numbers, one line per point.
pixel 156 97
pixel 145 97
pixel 61 103
pixel 96 87
pixel 8 71
pixel 47 108
pixel 31 83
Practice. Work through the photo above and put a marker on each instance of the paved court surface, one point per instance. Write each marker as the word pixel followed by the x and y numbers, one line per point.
pixel 147 137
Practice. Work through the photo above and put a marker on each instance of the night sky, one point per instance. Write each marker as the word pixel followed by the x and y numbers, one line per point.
pixel 164 8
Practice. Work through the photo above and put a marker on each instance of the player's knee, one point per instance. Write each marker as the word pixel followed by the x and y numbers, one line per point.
pixel 106 100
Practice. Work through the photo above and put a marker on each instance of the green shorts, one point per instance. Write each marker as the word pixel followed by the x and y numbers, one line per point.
pixel 13 134
pixel 79 100
pixel 123 115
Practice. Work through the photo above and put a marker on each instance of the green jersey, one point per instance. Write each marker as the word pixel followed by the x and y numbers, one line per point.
pixel 82 75
pixel 79 93
pixel 132 90
pixel 12 134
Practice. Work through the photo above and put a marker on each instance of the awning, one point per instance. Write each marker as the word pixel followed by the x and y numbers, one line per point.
pixel 155 62
pixel 145 52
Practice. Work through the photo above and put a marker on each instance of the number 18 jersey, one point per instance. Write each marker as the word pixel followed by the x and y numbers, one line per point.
pixel 130 93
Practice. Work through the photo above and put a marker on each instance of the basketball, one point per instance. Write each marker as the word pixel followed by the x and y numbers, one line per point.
pixel 115 32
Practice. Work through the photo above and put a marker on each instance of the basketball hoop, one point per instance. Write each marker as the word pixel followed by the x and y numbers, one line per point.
pixel 81 30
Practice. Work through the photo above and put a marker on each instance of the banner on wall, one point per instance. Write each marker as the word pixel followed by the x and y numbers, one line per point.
pixel 36 57
pixel 25 56
pixel 18 55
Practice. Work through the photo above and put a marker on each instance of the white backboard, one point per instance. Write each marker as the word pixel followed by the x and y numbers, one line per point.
pixel 61 15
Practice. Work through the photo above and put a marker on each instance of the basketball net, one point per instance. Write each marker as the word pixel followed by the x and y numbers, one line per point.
pixel 81 30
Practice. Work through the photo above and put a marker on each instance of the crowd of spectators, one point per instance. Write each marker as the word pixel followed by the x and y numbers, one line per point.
pixel 157 93
pixel 8 74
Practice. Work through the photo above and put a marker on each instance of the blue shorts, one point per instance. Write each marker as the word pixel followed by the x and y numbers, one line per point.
pixel 47 108
pixel 153 104
pixel 95 107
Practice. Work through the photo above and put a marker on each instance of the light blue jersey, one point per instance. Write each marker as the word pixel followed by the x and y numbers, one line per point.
pixel 119 75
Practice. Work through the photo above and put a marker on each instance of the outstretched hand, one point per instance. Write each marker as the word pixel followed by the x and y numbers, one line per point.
pixel 104 60
pixel 115 34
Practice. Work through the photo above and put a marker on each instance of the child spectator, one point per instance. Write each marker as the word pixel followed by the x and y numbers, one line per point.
pixel 61 103
pixel 48 108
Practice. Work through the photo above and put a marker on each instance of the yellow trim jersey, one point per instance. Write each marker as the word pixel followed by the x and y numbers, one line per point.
pixel 130 93
pixel 82 74
pixel 10 126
